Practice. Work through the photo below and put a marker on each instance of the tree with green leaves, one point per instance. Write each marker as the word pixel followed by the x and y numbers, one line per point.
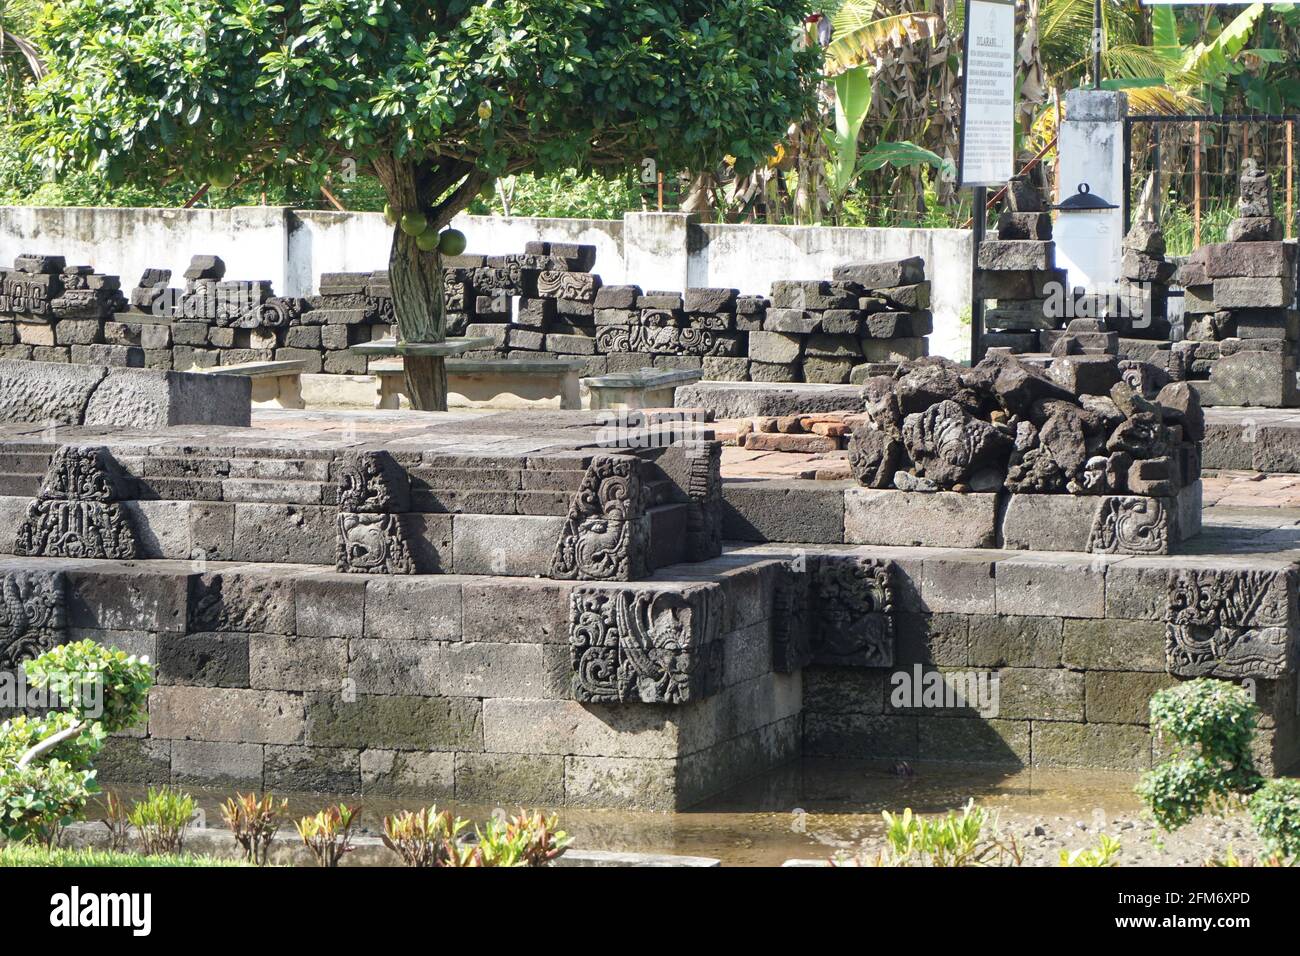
pixel 437 99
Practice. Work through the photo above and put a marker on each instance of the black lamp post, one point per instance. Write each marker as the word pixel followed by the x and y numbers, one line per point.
pixel 1096 44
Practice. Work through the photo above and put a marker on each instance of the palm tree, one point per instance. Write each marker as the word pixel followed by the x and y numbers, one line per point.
pixel 19 61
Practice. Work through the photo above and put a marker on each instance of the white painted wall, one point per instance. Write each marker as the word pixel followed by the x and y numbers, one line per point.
pixel 654 250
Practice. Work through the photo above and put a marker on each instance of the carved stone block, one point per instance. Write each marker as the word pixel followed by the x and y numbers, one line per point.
pixel 373 544
pixel 1132 525
pixel 605 536
pixel 372 482
pixel 76 513
pixel 1232 624
pixel 645 646
pixel 31 615
pixel 704 488
pixel 851 605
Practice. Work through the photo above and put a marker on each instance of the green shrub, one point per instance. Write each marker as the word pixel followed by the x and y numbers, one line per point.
pixel 18 855
pixel 254 822
pixel 1105 853
pixel 1275 811
pixel 1208 726
pixel 162 818
pixel 328 834
pixel 46 775
pixel 969 838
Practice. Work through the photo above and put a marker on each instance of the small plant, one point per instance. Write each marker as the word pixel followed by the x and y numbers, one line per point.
pixel 254 822
pixel 526 839
pixel 1105 853
pixel 424 837
pixel 1209 725
pixel 117 823
pixel 162 818
pixel 1275 811
pixel 328 834
pixel 969 838
pixel 40 799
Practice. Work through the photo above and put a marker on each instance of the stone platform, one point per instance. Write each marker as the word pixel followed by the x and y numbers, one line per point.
pixel 498 656
pixel 1252 439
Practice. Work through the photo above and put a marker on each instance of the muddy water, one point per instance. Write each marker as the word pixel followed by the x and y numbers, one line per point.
pixel 805 811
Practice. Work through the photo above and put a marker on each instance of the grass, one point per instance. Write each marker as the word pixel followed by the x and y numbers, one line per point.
pixel 22 855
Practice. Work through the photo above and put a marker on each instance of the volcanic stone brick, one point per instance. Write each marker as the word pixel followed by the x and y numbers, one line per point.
pixel 1065 586
pixel 513 610
pixel 1114 645
pixel 216 764
pixel 617 297
pixel 710 300
pixel 774 347
pixel 277 662
pixel 1024 225
pixel 932 639
pixel 285 533
pixel 402 608
pixel 1255 229
pixel 1048 522
pixel 775 371
pixel 1114 697
pixel 997 641
pixel 413 667
pixel 204 660
pixel 956 585
pixel 504 544
pixel 827 371
pixel 973 740
pixel 226 714
pixel 1257 293
pixel 1040 693
pixel 395 771
pixel 318 769
pixel 844 690
pixel 1259 259
pixel 943 519
pixel 345 363
pixel 493 670
pixel 135 760
pixel 534 313
pixel 329 605
pixel 126 599
pixel 1003 255
pixel 860 736
pixel 881 275
pixel 252 602
pixel 395 723
pixel 617 781
pixel 487 778
pixel 1090 745
pixel 800 511
pixel 569 728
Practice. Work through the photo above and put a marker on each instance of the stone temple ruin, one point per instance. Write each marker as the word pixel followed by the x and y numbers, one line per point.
pixel 588 608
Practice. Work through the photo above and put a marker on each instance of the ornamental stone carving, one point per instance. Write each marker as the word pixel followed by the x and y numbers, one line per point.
pixel 31 615
pixel 1232 624
pixel 645 646
pixel 374 493
pixel 1131 525
pixel 606 534
pixel 77 513
pixel 852 610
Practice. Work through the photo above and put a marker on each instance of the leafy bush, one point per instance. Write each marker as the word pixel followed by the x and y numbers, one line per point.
pixel 162 818
pixel 46 775
pixel 423 837
pixel 328 835
pixel 254 823
pixel 1105 853
pixel 526 839
pixel 1209 726
pixel 1275 811
pixel 969 838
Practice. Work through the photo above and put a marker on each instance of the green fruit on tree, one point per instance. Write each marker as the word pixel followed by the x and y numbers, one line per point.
pixel 413 223
pixel 223 177
pixel 388 215
pixel 427 241
pixel 452 242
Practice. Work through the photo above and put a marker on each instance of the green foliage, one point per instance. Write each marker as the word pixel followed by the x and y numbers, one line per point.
pixel 37 800
pixel 145 89
pixel 969 838
pixel 328 834
pixel 254 822
pixel 1105 853
pixel 526 839
pixel 425 837
pixel 1208 726
pixel 567 193
pixel 25 856
pixel 86 675
pixel 1275 811
pixel 162 818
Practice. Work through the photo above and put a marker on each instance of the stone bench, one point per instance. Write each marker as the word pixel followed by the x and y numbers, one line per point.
pixel 644 388
pixel 493 383
pixel 275 384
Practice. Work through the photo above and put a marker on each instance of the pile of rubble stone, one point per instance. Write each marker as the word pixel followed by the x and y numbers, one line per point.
pixel 1007 424
pixel 1241 296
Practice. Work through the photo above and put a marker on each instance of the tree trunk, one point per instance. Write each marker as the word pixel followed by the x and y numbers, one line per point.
pixel 416 278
